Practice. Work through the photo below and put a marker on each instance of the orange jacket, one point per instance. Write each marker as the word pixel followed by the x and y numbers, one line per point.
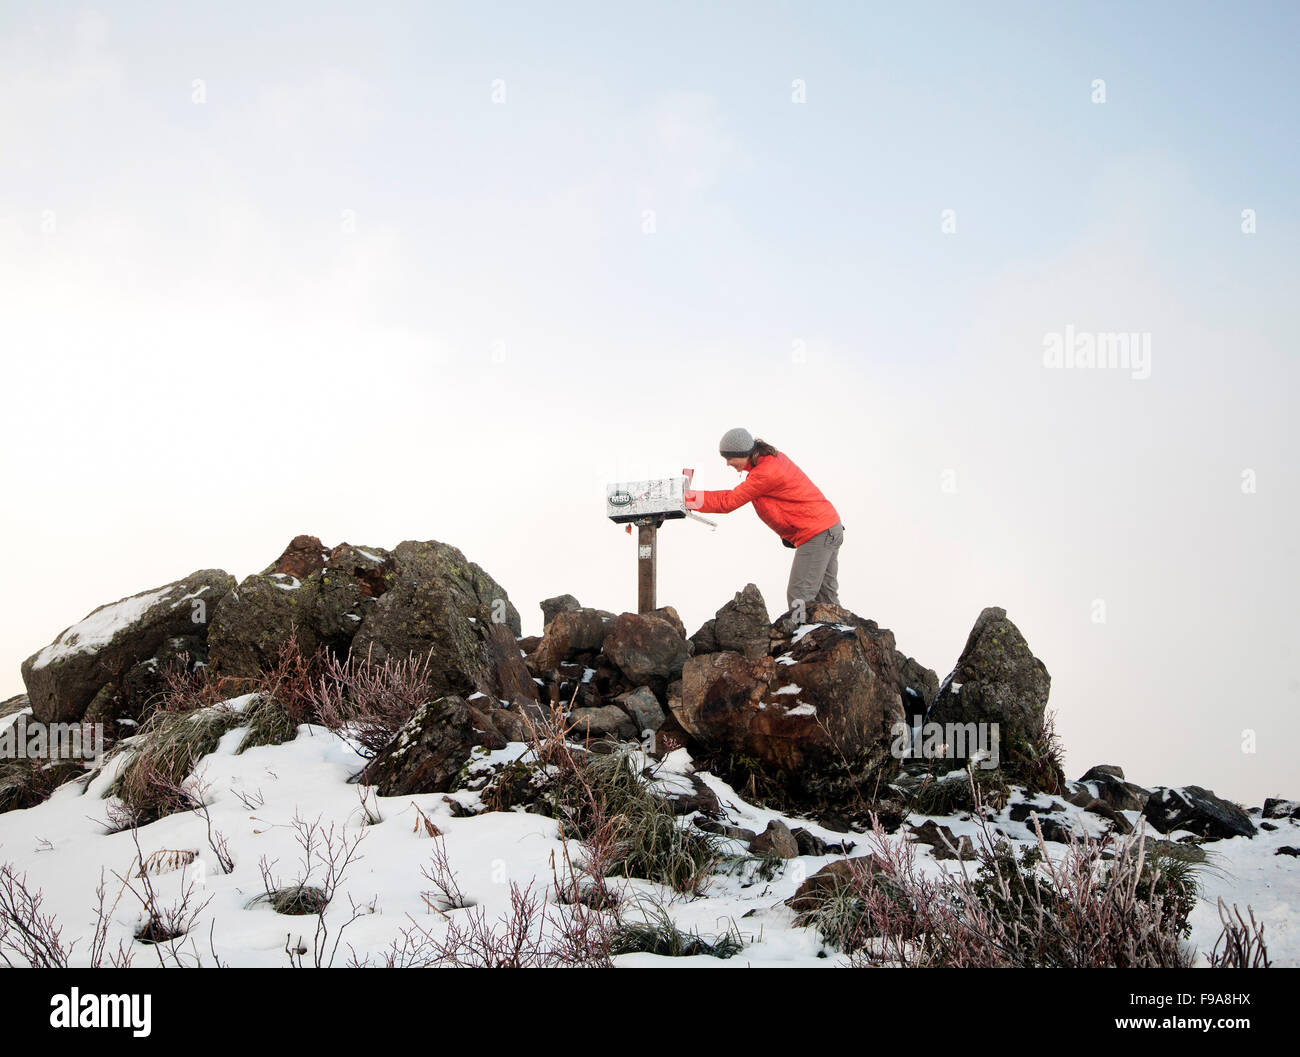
pixel 783 497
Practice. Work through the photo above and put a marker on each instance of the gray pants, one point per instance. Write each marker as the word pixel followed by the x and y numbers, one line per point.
pixel 816 566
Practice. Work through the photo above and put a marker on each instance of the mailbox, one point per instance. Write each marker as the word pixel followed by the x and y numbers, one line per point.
pixel 627 501
pixel 648 504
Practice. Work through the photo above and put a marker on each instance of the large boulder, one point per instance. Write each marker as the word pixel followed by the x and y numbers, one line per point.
pixel 817 713
pixel 439 603
pixel 569 633
pixel 742 625
pixel 1198 811
pixel 776 841
pixel 647 647
pixel 999 680
pixel 430 750
pixel 256 620
pixel 915 683
pixel 833 878
pixel 104 648
pixel 1106 783
pixel 605 721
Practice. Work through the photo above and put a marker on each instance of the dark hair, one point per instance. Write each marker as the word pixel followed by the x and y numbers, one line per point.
pixel 761 447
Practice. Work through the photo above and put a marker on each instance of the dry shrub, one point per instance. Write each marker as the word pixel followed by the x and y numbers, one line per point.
pixel 1240 945
pixel 28 937
pixel 286 695
pixel 532 933
pixel 1102 903
pixel 368 702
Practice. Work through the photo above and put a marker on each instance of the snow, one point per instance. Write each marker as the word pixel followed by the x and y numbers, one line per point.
pixel 99 628
pixel 185 598
pixel 789 688
pixel 63 846
pixel 11 719
pixel 292 586
pixel 367 554
pixel 803 630
pixel 803 709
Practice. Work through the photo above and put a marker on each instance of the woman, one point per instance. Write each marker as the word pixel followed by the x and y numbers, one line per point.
pixel 790 505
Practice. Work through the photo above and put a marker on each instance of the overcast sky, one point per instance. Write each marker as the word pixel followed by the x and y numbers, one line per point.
pixel 442 271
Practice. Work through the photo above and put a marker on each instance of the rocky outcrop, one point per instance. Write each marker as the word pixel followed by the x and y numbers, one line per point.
pixel 704 641
pixel 815 710
pixel 1274 807
pixel 115 646
pixel 912 679
pixel 999 680
pixel 318 595
pixel 14 704
pixel 257 619
pixel 1198 811
pixel 438 603
pixel 422 598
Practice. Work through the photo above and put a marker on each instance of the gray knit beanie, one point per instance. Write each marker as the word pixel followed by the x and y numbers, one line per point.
pixel 736 443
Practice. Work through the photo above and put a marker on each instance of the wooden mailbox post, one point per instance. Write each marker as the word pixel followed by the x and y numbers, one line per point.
pixel 648 504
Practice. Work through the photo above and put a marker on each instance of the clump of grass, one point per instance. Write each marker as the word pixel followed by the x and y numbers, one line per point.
pixel 1039 762
pixel 151 782
pixel 268 723
pixel 659 934
pixel 296 899
pixel 960 792
pixel 645 836
pixel 608 803
pixel 752 867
